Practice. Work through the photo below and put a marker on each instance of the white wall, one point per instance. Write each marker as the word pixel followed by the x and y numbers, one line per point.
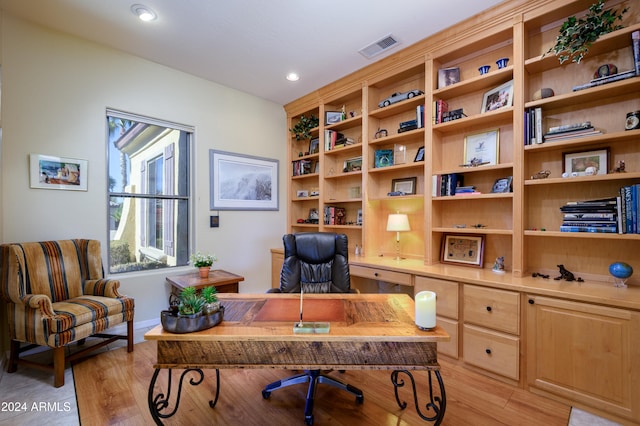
pixel 55 89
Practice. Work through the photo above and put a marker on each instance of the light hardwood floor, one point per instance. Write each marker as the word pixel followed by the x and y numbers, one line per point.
pixel 112 389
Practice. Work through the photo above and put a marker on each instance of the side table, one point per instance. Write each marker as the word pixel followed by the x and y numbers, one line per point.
pixel 224 282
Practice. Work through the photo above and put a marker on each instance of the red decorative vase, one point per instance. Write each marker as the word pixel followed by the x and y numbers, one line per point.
pixel 204 271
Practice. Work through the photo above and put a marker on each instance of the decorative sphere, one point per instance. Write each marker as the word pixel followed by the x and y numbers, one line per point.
pixel 620 270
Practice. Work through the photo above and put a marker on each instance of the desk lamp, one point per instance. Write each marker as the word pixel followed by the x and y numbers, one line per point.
pixel 397 223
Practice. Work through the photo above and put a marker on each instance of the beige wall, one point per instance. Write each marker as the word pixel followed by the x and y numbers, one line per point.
pixel 55 89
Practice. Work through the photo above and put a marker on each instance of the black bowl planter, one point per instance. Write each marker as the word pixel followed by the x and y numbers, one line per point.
pixel 181 324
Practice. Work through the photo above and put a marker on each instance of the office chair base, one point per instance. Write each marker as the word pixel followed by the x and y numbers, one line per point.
pixel 313 377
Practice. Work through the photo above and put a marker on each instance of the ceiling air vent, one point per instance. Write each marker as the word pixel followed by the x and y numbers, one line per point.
pixel 376 48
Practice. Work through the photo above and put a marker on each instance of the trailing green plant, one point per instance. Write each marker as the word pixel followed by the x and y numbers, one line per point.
pixel 209 294
pixel 577 34
pixel 302 129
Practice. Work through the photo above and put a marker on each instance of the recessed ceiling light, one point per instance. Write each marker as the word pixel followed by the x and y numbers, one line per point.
pixel 143 12
pixel 292 76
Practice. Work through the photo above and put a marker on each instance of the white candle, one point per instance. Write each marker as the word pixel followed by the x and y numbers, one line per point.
pixel 426 309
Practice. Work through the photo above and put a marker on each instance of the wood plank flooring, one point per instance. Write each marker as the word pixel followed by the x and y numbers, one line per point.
pixel 112 390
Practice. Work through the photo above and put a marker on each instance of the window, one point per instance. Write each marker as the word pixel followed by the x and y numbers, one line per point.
pixel 149 192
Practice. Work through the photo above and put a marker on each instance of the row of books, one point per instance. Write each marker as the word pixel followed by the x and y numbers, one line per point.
pixel 635 71
pixel 302 167
pixel 333 140
pixel 440 108
pixel 335 215
pixel 609 215
pixel 534 134
pixel 448 184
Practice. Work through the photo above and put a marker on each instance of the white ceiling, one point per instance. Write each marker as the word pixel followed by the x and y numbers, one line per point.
pixel 250 45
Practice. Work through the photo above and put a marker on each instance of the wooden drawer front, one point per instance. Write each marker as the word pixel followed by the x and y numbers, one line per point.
pixel 380 275
pixel 488 307
pixel 449 348
pixel 446 294
pixel 492 351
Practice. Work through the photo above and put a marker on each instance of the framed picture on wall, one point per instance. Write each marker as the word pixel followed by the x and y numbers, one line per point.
pixel 51 172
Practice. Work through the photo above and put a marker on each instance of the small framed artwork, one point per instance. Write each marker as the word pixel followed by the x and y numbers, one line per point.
pixel 404 185
pixel 302 194
pixel 448 76
pixel 332 117
pixel 419 154
pixel 50 172
pixel 353 164
pixel 464 250
pixel 502 185
pixel 482 148
pixel 383 158
pixel 586 163
pixel 500 97
pixel 314 146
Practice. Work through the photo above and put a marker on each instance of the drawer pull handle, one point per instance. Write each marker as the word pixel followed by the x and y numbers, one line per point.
pixel 375 274
pixel 488 308
pixel 531 301
pixel 488 351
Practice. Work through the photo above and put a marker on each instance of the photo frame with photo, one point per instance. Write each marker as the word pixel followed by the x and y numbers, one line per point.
pixel 352 164
pixel 259 176
pixel 419 155
pixel 502 185
pixel 314 146
pixel 482 148
pixel 463 250
pixel 448 76
pixel 404 185
pixel 332 117
pixel 383 158
pixel 52 172
pixel 581 162
pixel 499 97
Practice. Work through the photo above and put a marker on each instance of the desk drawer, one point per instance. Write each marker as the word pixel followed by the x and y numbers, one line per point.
pixel 449 348
pixel 488 307
pixel 446 294
pixel 380 275
pixel 492 351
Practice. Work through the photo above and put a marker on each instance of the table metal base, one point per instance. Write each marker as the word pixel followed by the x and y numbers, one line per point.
pixel 436 403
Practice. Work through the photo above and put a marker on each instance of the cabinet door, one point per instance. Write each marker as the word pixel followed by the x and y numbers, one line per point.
pixel 585 353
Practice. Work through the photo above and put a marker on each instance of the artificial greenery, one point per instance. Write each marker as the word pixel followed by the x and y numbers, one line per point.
pixel 577 35
pixel 302 129
pixel 209 294
pixel 190 302
pixel 200 260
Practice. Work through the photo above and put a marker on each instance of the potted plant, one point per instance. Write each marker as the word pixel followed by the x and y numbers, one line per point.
pixel 577 35
pixel 211 303
pixel 191 304
pixel 302 129
pixel 203 262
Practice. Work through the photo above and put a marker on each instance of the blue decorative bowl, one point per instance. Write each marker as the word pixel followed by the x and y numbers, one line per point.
pixel 620 270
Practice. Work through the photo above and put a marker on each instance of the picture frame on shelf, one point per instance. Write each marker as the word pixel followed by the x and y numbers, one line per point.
pixel 499 97
pixel 52 172
pixel 314 146
pixel 502 185
pixel 352 164
pixel 404 185
pixel 302 194
pixel 482 148
pixel 579 163
pixel 463 250
pixel 383 158
pixel 332 117
pixel 448 76
pixel 226 169
pixel 419 155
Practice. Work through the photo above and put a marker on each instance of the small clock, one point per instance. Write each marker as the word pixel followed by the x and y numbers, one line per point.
pixel 633 121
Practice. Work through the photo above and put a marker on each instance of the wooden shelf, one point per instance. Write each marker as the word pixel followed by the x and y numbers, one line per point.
pixel 583 179
pixel 589 235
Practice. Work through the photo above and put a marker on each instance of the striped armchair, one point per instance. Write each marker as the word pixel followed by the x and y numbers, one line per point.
pixel 56 294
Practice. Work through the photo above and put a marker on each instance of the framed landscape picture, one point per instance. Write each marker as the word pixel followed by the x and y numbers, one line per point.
pixel 51 172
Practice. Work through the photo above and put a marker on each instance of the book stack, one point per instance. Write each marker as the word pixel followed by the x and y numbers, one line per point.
pixel 600 216
pixel 331 138
pixel 445 185
pixel 466 190
pixel 629 206
pixel 335 215
pixel 570 131
pixel 301 167
pixel 440 107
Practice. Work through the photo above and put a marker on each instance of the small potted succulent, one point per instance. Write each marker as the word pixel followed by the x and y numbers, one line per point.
pixel 211 303
pixel 191 304
pixel 203 262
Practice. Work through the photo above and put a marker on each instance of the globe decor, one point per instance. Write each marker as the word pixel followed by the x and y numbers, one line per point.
pixel 621 272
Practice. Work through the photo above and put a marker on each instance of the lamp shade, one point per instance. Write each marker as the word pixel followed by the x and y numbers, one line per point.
pixel 398 223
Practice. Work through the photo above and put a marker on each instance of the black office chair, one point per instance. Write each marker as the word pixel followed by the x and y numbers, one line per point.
pixel 319 262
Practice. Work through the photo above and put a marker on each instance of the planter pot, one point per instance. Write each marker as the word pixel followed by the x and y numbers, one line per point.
pixel 211 308
pixel 181 324
pixel 204 271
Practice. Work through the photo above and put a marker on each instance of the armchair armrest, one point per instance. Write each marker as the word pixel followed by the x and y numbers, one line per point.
pixel 40 302
pixel 103 287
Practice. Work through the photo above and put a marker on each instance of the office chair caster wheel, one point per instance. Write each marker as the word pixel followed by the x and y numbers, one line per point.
pixel 266 394
pixel 308 420
pixel 360 400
